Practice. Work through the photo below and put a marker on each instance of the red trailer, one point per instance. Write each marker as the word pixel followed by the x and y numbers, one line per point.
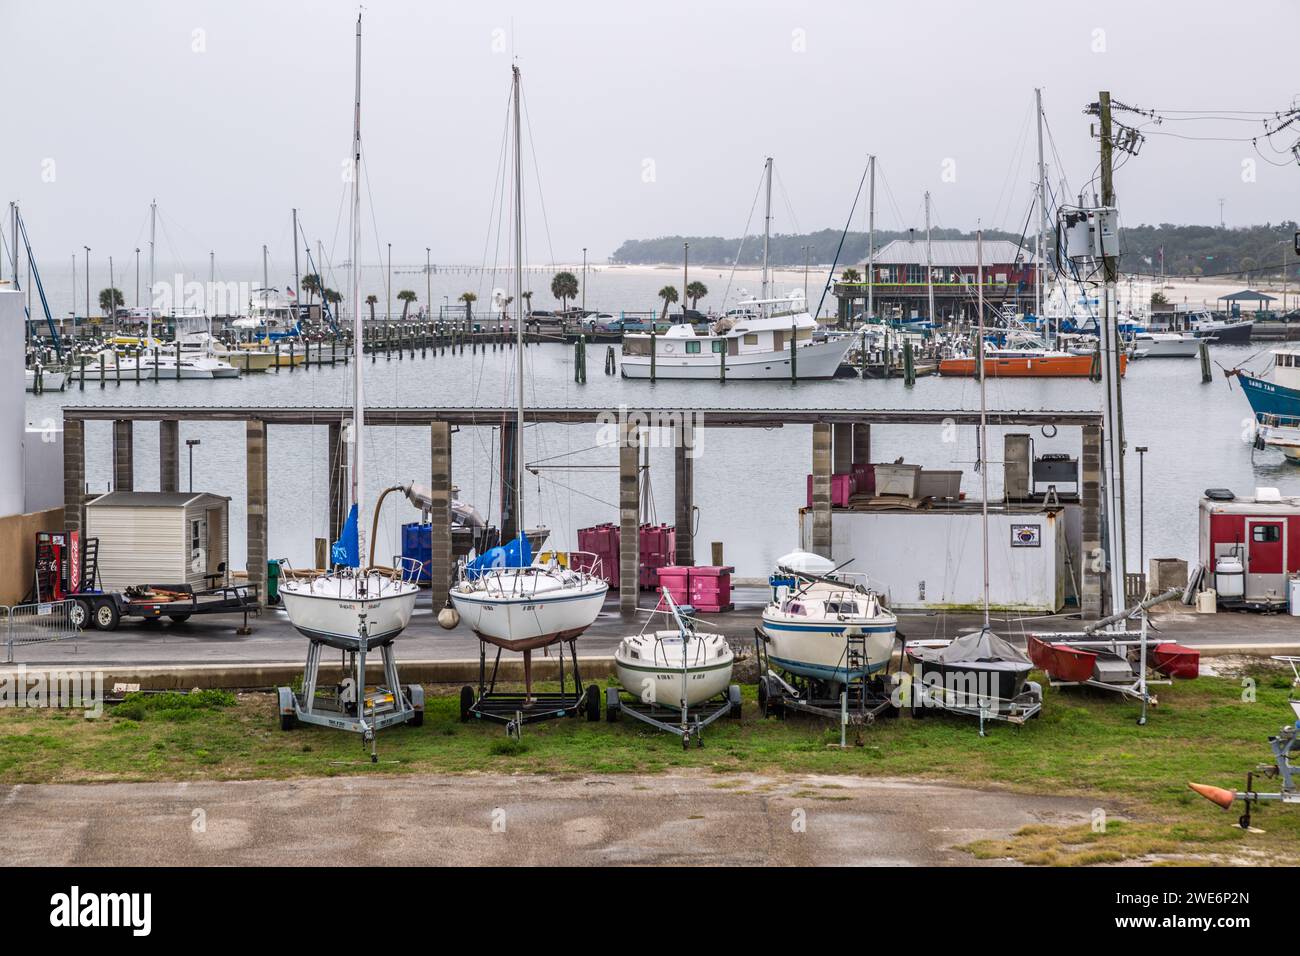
pixel 1249 547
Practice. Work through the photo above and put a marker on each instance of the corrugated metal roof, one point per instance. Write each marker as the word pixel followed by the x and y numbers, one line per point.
pixel 149 499
pixel 951 253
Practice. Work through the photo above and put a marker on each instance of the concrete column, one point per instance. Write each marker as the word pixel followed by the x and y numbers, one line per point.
pixel 335 466
pixel 506 482
pixel 821 498
pixel 123 449
pixel 842 448
pixel 440 560
pixel 74 474
pixel 684 470
pixel 1091 570
pixel 169 455
pixel 255 456
pixel 629 517
pixel 862 442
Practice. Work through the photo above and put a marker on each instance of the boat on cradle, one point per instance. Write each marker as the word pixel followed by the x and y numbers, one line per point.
pixel 664 667
pixel 52 379
pixel 978 672
pixel 1275 400
pixel 1168 344
pixel 755 340
pixel 354 606
pixel 506 598
pixel 817 613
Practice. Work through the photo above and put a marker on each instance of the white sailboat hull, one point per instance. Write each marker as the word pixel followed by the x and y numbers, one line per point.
pixel 522 621
pixel 329 609
pixel 663 685
pixel 818 650
pixel 819 360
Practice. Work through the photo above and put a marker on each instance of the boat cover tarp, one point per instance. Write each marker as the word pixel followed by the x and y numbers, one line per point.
pixel 982 645
pixel 514 554
pixel 345 550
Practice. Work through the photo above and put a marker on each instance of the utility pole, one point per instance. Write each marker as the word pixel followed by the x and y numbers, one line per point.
pixel 112 292
pixel 428 281
pixel 871 240
pixel 1113 423
pixel 929 261
pixel 584 282
pixel 686 271
pixel 87 248
pixel 388 309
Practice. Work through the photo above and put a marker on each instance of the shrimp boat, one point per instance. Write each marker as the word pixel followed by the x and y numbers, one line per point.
pixel 1275 400
pixel 507 599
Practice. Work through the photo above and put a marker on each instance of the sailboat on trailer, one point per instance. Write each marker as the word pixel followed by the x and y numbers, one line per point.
pixel 513 603
pixel 330 607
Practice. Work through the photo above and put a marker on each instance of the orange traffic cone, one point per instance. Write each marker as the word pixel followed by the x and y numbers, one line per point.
pixel 1218 795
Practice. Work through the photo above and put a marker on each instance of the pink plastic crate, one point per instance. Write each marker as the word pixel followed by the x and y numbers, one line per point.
pixel 864 478
pixel 675 580
pixel 710 587
pixel 841 490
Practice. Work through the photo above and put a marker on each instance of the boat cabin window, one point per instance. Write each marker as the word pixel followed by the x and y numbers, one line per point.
pixel 693 348
pixel 751 338
pixel 1266 533
pixel 718 345
pixel 841 607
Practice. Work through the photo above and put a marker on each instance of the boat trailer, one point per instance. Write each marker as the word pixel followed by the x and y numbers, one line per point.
pixel 1125 677
pixel 1285 745
pixel 514 709
pixel 683 720
pixel 349 705
pixel 855 703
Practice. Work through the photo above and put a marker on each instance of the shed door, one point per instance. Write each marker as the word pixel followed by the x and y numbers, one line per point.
pixel 213 544
pixel 1265 559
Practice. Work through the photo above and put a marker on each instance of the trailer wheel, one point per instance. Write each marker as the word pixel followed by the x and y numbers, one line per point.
pixel 733 697
pixel 106 616
pixel 79 615
pixel 288 721
pixel 592 702
pixel 179 618
pixel 612 704
pixel 466 702
pixel 766 706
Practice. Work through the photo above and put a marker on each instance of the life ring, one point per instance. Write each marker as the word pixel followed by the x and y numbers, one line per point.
pixel 668 348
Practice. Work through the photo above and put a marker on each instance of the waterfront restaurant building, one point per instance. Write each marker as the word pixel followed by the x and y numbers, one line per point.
pixel 900 286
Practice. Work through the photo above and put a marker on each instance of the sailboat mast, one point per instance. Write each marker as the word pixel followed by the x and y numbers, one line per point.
pixel 767 223
pixel 519 316
pixel 1039 247
pixel 984 415
pixel 929 260
pixel 153 216
pixel 358 379
pixel 871 242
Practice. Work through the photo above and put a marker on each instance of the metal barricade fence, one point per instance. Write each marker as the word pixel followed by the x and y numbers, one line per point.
pixel 37 624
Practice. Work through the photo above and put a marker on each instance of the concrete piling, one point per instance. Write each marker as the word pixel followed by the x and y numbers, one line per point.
pixel 256 503
pixel 629 516
pixel 169 454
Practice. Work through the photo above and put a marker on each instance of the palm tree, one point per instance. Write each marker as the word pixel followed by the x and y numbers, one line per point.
pixel 850 275
pixel 669 294
pixel 695 292
pixel 311 282
pixel 110 300
pixel 564 287
pixel 372 300
pixel 528 302
pixel 406 297
pixel 469 298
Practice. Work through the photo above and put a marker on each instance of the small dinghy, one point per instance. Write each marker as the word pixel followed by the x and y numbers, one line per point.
pixel 979 671
pixel 1061 662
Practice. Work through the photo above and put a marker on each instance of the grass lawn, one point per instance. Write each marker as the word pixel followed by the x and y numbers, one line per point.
pixel 1084 744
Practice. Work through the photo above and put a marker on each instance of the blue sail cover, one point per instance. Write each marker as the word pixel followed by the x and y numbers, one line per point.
pixel 344 551
pixel 515 554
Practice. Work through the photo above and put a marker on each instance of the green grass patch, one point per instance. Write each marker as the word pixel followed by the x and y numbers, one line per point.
pixel 1085 744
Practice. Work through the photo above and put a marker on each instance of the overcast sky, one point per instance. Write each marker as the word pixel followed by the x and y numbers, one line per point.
pixel 647 118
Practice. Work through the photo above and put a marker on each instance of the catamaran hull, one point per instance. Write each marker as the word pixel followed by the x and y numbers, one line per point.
pixel 813 361
pixel 336 621
pixel 528 622
pixel 818 652
pixel 663 685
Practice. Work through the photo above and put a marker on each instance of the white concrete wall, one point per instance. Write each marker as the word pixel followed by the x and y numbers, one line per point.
pixel 934 560
pixel 42 468
pixel 13 401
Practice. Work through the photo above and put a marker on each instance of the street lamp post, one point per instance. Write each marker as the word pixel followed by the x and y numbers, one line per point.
pixel 584 281
pixel 190 443
pixel 87 248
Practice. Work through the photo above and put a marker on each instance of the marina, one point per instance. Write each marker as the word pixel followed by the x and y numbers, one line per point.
pixel 582 443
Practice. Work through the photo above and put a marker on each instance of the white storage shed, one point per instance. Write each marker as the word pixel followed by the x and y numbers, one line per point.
pixel 160 538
